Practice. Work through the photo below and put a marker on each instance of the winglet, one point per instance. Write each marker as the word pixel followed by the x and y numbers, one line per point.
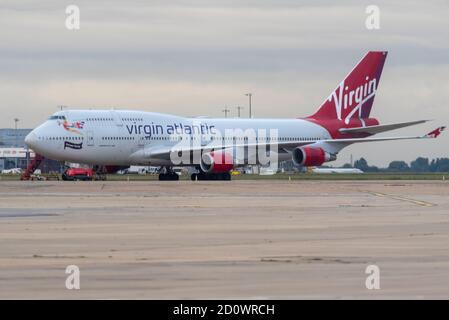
pixel 435 133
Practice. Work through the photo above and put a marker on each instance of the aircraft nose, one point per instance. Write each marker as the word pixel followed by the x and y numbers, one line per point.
pixel 31 139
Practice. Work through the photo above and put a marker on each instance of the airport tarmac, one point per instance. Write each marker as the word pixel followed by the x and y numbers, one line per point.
pixel 239 239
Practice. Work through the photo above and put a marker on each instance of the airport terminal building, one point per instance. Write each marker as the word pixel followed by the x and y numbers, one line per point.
pixel 13 138
pixel 14 153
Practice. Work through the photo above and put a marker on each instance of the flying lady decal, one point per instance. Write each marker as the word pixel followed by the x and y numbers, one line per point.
pixel 73 127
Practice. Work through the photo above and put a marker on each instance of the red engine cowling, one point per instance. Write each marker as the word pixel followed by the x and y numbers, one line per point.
pixel 308 156
pixel 217 162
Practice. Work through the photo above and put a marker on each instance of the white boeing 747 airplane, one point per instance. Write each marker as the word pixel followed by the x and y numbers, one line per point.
pixel 117 138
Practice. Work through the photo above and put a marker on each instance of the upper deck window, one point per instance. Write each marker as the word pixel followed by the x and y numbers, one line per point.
pixel 57 118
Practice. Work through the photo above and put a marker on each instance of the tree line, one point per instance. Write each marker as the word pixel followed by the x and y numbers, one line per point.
pixel 420 164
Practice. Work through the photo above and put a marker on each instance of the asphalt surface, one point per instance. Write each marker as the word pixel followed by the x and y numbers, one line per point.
pixel 238 239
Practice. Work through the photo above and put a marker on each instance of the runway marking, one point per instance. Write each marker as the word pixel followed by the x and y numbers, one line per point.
pixel 414 201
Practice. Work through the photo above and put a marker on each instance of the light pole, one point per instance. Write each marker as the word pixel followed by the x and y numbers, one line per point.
pixel 15 130
pixel 238 110
pixel 16 120
pixel 249 95
pixel 226 111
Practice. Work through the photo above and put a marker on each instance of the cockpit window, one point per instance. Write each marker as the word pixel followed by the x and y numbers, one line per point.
pixel 57 118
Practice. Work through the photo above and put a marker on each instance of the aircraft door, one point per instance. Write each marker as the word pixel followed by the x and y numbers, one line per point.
pixel 90 138
pixel 141 140
pixel 118 122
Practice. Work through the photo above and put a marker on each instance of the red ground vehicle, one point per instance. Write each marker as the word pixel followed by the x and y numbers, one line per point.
pixel 74 174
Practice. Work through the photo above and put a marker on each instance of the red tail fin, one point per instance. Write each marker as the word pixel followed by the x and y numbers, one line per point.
pixel 354 96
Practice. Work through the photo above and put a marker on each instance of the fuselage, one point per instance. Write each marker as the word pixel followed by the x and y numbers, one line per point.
pixel 214 147
pixel 120 137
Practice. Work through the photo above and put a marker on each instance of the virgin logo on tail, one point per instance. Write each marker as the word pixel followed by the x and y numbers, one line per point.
pixel 344 99
pixel 355 92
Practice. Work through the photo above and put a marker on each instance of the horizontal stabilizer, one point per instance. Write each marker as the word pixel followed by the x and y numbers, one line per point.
pixel 433 134
pixel 381 128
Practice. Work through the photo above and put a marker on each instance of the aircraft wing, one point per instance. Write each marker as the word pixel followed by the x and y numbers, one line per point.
pixel 381 128
pixel 161 152
pixel 164 152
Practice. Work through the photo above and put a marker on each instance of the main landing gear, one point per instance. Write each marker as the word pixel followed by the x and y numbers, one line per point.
pixel 211 176
pixel 100 173
pixel 168 175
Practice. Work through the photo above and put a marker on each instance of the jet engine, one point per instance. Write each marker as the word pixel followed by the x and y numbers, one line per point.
pixel 217 162
pixel 309 156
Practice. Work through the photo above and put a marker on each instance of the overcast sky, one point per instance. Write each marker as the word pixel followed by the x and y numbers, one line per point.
pixel 196 57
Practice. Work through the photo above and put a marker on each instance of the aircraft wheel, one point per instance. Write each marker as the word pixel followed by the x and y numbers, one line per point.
pixel 168 177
